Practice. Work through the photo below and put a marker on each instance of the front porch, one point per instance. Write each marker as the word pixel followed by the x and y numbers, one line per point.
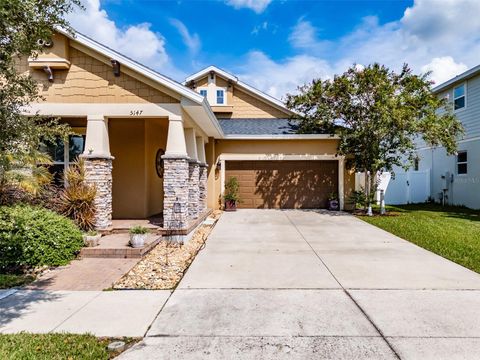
pixel 148 171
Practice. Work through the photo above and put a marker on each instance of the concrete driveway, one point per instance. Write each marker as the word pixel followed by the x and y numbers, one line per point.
pixel 292 284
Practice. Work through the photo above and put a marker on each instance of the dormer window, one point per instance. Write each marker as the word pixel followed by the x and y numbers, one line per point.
pixel 203 93
pixel 220 97
pixel 459 97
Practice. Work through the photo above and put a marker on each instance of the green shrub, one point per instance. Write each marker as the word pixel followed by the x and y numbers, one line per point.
pixel 33 236
pixel 231 190
pixel 77 200
pixel 139 230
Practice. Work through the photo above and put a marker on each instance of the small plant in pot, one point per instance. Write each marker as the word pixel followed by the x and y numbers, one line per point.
pixel 231 194
pixel 91 238
pixel 333 202
pixel 138 235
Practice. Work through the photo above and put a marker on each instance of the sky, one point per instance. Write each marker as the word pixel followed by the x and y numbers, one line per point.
pixel 278 45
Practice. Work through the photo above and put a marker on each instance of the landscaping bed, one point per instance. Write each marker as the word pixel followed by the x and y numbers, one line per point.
pixel 451 232
pixel 163 267
pixel 28 346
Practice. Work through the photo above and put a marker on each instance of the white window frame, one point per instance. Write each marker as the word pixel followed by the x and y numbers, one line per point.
pixel 203 89
pixel 82 131
pixel 211 97
pixel 461 163
pixel 458 97
pixel 217 97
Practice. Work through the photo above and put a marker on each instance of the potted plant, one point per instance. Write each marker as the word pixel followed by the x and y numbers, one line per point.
pixel 91 238
pixel 333 201
pixel 231 194
pixel 138 235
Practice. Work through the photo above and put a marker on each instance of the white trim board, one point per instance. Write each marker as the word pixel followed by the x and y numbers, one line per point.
pixel 282 137
pixel 278 157
pixel 462 77
pixel 440 147
pixel 133 110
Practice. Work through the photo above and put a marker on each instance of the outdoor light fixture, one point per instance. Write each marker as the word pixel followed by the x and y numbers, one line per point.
pixel 49 73
pixel 211 74
pixel 177 207
pixel 116 67
pixel 229 83
pixel 192 84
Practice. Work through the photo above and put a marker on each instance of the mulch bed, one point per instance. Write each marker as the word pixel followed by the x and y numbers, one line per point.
pixel 163 267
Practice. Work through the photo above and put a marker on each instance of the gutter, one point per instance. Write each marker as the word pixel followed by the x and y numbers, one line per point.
pixel 282 137
pixel 463 76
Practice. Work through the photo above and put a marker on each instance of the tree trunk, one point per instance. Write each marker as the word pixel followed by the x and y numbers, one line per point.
pixel 369 182
pixel 365 206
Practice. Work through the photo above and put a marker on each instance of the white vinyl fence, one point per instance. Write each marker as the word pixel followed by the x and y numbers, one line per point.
pixel 408 187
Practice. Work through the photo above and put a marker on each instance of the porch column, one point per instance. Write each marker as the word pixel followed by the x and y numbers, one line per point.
pixel 175 178
pixel 193 173
pixel 341 179
pixel 98 168
pixel 202 176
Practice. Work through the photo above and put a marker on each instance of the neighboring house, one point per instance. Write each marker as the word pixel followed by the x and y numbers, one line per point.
pixel 454 179
pixel 154 146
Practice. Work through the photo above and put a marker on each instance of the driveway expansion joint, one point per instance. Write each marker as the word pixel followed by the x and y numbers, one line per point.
pixel 346 292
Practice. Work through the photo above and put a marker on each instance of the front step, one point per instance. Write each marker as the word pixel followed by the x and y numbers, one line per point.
pixel 117 246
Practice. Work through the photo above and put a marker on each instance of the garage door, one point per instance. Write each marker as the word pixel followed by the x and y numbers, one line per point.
pixel 284 184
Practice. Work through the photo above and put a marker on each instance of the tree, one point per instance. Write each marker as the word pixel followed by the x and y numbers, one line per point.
pixel 23 23
pixel 379 116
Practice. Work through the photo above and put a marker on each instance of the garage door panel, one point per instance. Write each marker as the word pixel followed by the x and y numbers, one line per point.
pixel 284 184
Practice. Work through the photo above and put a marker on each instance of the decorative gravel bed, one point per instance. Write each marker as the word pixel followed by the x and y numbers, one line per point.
pixel 163 267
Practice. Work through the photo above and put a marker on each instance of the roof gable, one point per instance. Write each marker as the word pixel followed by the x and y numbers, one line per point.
pixel 150 74
pixel 250 90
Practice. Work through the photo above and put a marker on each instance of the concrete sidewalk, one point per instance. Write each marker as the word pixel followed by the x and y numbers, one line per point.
pixel 102 313
pixel 304 284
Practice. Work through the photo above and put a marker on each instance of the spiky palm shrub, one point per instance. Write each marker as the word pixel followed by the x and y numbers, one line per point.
pixel 78 197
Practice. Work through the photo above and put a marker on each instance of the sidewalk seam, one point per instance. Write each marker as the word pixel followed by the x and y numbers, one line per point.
pixel 76 311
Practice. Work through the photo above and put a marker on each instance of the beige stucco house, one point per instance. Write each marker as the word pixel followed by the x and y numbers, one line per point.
pixel 155 146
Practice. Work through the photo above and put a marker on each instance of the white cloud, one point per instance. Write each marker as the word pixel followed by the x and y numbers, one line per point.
pixel 304 35
pixel 263 26
pixel 192 41
pixel 442 37
pixel 278 78
pixel 444 68
pixel 256 5
pixel 136 41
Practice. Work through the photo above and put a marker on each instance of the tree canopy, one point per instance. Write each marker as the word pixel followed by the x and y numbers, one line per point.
pixel 23 23
pixel 378 114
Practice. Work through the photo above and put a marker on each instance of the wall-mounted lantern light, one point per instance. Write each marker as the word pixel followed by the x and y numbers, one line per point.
pixel 116 67
pixel 177 207
pixel 49 73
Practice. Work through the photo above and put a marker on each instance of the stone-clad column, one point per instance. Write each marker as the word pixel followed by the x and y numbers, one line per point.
pixel 176 191
pixel 175 178
pixel 202 187
pixel 99 173
pixel 98 168
pixel 193 191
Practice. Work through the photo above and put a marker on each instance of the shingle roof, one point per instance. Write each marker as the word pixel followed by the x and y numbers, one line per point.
pixel 259 126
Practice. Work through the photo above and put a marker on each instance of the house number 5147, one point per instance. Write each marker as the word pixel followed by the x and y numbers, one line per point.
pixel 136 112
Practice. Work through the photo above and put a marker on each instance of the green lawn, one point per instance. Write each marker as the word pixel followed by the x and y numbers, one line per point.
pixel 451 232
pixel 14 280
pixel 26 346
